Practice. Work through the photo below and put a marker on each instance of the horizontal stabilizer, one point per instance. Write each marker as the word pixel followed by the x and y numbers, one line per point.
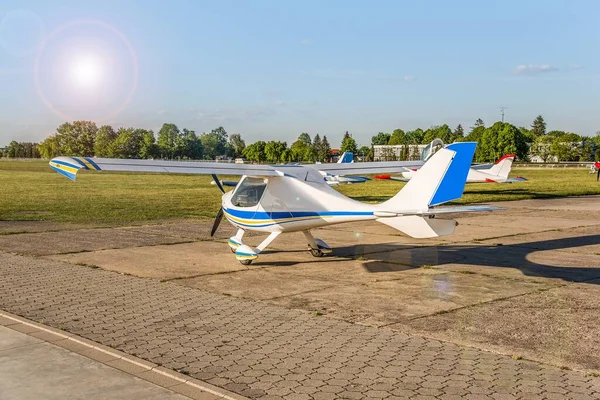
pixel 420 228
pixel 438 210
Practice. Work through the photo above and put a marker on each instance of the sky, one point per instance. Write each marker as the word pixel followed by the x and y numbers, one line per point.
pixel 270 70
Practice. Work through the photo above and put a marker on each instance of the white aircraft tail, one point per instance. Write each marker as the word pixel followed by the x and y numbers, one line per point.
pixel 503 166
pixel 441 179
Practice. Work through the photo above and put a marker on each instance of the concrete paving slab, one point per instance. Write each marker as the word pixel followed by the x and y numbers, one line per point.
pixel 193 230
pixel 584 240
pixel 419 293
pixel 162 262
pixel 570 204
pixel 35 370
pixel 47 243
pixel 559 326
pixel 10 339
pixel 17 227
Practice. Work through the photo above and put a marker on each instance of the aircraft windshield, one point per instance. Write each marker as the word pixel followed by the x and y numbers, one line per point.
pixel 249 192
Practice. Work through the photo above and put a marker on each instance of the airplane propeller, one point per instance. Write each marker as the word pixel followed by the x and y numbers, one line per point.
pixel 219 216
pixel 217 222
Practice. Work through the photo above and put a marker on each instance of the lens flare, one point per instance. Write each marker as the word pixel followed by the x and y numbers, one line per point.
pixel 86 69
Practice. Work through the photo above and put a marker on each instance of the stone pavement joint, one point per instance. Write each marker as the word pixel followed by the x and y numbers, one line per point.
pixel 259 350
pixel 111 357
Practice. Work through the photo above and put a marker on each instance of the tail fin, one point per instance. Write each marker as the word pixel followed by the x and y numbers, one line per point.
pixel 502 166
pixel 441 179
pixel 346 158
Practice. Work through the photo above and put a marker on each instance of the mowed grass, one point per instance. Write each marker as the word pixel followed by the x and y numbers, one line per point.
pixel 32 191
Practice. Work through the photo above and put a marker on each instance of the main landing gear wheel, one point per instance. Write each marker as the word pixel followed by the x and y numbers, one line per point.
pixel 316 252
pixel 232 250
pixel 246 262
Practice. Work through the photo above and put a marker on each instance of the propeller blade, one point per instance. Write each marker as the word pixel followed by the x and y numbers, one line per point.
pixel 218 183
pixel 218 219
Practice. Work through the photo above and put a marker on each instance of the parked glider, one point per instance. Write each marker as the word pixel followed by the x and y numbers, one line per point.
pixel 345 158
pixel 292 198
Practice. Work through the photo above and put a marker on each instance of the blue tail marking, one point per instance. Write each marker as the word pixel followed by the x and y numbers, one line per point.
pixel 453 183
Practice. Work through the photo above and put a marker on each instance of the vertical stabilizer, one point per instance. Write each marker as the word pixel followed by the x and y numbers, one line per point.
pixel 441 179
pixel 503 166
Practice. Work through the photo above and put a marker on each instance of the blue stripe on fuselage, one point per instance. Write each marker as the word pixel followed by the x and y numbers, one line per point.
pixel 294 214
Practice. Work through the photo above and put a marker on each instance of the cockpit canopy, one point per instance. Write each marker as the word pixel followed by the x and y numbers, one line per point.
pixel 249 192
pixel 431 149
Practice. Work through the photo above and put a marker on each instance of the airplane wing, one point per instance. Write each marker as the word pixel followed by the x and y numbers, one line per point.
pixel 365 167
pixel 69 166
pixel 439 210
pixel 517 179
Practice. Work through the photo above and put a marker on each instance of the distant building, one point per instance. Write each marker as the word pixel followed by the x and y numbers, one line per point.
pixel 387 152
pixel 335 154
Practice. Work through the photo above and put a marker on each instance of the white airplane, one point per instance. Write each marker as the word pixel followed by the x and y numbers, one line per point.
pixel 345 158
pixel 295 198
pixel 485 173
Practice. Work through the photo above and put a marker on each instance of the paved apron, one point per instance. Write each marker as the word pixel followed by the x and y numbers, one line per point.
pixel 263 351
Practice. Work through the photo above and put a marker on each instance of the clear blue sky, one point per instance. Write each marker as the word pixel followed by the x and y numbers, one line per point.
pixel 274 69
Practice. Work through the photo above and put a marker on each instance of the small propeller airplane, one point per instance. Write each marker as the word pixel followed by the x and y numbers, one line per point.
pixel 484 173
pixel 291 198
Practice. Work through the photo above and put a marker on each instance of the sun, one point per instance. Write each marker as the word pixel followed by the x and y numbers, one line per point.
pixel 86 71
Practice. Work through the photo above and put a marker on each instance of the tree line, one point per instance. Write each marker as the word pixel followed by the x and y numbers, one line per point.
pixel 499 139
pixel 84 138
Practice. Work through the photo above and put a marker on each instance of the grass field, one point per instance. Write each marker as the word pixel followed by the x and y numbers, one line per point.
pixel 31 191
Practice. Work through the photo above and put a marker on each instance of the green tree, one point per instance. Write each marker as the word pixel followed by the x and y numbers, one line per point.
pixel 500 139
pixel 14 150
pixel 168 140
pixel 105 138
pixel 562 150
pixel 148 148
pixel 191 145
pixel 349 145
pixel 529 137
pixel 380 139
pixel 415 137
pixel 287 156
pixel 538 127
pixel 316 144
pixel 301 151
pixel 305 138
pixel 587 150
pixel 237 144
pixel 476 132
pixel 215 143
pixel 128 143
pixel 325 151
pixel 439 131
pixel 398 137
pixel 274 151
pixel 458 134
pixel 255 151
pixel 50 147
pixel 76 138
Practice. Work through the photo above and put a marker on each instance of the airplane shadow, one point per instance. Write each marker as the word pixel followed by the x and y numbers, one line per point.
pixel 492 256
pixel 390 257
